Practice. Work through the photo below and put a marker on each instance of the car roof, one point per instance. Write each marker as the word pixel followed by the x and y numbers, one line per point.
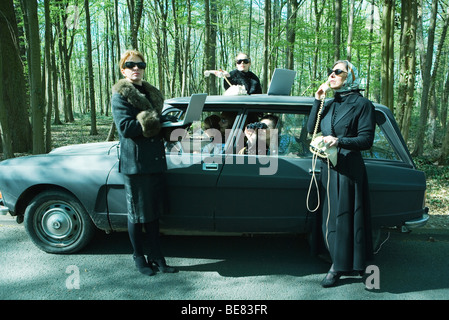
pixel 258 100
pixel 255 99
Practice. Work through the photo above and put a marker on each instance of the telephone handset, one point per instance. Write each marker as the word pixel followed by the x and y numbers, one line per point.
pixel 325 87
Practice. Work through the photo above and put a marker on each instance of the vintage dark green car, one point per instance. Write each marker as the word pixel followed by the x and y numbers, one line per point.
pixel 64 196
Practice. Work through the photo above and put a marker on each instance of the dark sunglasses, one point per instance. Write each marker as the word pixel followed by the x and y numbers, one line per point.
pixel 336 71
pixel 245 61
pixel 131 65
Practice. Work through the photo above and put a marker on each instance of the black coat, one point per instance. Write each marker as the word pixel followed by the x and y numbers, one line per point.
pixel 347 229
pixel 134 114
pixel 247 79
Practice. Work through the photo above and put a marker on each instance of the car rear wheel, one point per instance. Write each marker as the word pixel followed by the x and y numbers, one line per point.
pixel 57 223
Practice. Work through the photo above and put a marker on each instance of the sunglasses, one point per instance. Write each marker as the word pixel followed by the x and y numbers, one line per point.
pixel 245 61
pixel 336 71
pixel 131 65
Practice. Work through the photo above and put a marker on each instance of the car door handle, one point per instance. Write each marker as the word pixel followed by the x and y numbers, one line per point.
pixel 210 166
pixel 317 171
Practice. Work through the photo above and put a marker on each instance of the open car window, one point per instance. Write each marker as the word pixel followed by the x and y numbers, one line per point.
pixel 209 135
pixel 288 139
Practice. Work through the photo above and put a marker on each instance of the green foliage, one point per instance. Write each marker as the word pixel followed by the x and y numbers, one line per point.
pixel 437 178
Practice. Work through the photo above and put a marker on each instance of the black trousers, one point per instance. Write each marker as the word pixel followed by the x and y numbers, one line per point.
pixel 138 237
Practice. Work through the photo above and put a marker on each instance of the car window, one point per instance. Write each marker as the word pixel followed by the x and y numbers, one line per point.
pixel 293 140
pixel 211 133
pixel 289 139
pixel 381 149
pixel 208 135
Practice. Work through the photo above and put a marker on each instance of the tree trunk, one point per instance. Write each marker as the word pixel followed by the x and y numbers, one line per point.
pixel 337 29
pixel 210 43
pixel 291 32
pixel 410 101
pixel 266 37
pixel 5 136
pixel 48 70
pixel 444 157
pixel 385 48
pixel 186 50
pixel 371 33
pixel 135 9
pixel 419 145
pixel 433 106
pixel 318 15
pixel 16 126
pixel 90 73
pixel 350 30
pixel 407 64
pixel 36 96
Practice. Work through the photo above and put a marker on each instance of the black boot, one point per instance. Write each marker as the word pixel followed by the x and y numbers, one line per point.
pixel 331 278
pixel 162 266
pixel 143 266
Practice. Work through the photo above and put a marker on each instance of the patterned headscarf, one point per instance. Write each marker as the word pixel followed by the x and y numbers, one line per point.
pixel 352 81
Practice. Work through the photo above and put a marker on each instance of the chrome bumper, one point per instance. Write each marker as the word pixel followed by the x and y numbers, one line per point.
pixel 3 210
pixel 419 222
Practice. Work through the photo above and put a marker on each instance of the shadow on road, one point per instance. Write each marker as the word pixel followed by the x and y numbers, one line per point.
pixel 230 256
pixel 413 262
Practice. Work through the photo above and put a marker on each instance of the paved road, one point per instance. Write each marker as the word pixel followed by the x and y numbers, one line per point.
pixel 411 266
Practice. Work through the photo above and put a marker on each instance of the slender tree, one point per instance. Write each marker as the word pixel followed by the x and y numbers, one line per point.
pixel 36 95
pixel 426 75
pixel 337 29
pixel 386 51
pixel 48 77
pixel 266 39
pixel 93 115
pixel 407 65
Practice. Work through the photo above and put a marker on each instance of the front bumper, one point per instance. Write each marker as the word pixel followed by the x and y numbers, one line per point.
pixel 3 210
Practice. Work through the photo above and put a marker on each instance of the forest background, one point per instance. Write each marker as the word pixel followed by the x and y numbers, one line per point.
pixel 59 60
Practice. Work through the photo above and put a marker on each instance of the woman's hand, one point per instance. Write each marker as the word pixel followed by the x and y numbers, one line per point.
pixel 321 92
pixel 332 141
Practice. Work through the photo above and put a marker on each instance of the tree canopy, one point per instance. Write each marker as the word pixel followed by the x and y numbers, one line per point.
pixel 66 54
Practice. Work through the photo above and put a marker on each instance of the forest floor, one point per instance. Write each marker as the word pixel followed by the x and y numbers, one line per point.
pixel 437 195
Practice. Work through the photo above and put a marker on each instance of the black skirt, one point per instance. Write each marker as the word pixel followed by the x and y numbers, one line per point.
pixel 145 196
pixel 346 226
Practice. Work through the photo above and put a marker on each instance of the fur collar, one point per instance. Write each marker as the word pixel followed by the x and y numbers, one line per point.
pixel 138 100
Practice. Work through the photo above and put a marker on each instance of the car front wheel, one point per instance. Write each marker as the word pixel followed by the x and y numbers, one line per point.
pixel 57 223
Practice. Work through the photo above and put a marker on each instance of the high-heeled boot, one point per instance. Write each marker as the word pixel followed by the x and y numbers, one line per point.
pixel 162 266
pixel 331 278
pixel 143 266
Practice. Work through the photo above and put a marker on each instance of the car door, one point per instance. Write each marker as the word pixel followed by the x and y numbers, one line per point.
pixel 195 159
pixel 268 193
pixel 192 175
pixel 397 189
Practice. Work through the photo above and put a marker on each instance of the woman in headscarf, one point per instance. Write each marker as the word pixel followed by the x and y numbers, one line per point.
pixel 348 123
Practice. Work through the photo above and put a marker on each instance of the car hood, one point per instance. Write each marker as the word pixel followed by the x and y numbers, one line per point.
pixel 86 148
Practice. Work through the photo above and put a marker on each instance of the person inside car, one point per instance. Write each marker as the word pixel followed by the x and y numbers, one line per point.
pixel 259 136
pixel 211 127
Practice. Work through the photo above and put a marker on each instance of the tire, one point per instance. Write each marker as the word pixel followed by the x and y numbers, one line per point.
pixel 57 223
